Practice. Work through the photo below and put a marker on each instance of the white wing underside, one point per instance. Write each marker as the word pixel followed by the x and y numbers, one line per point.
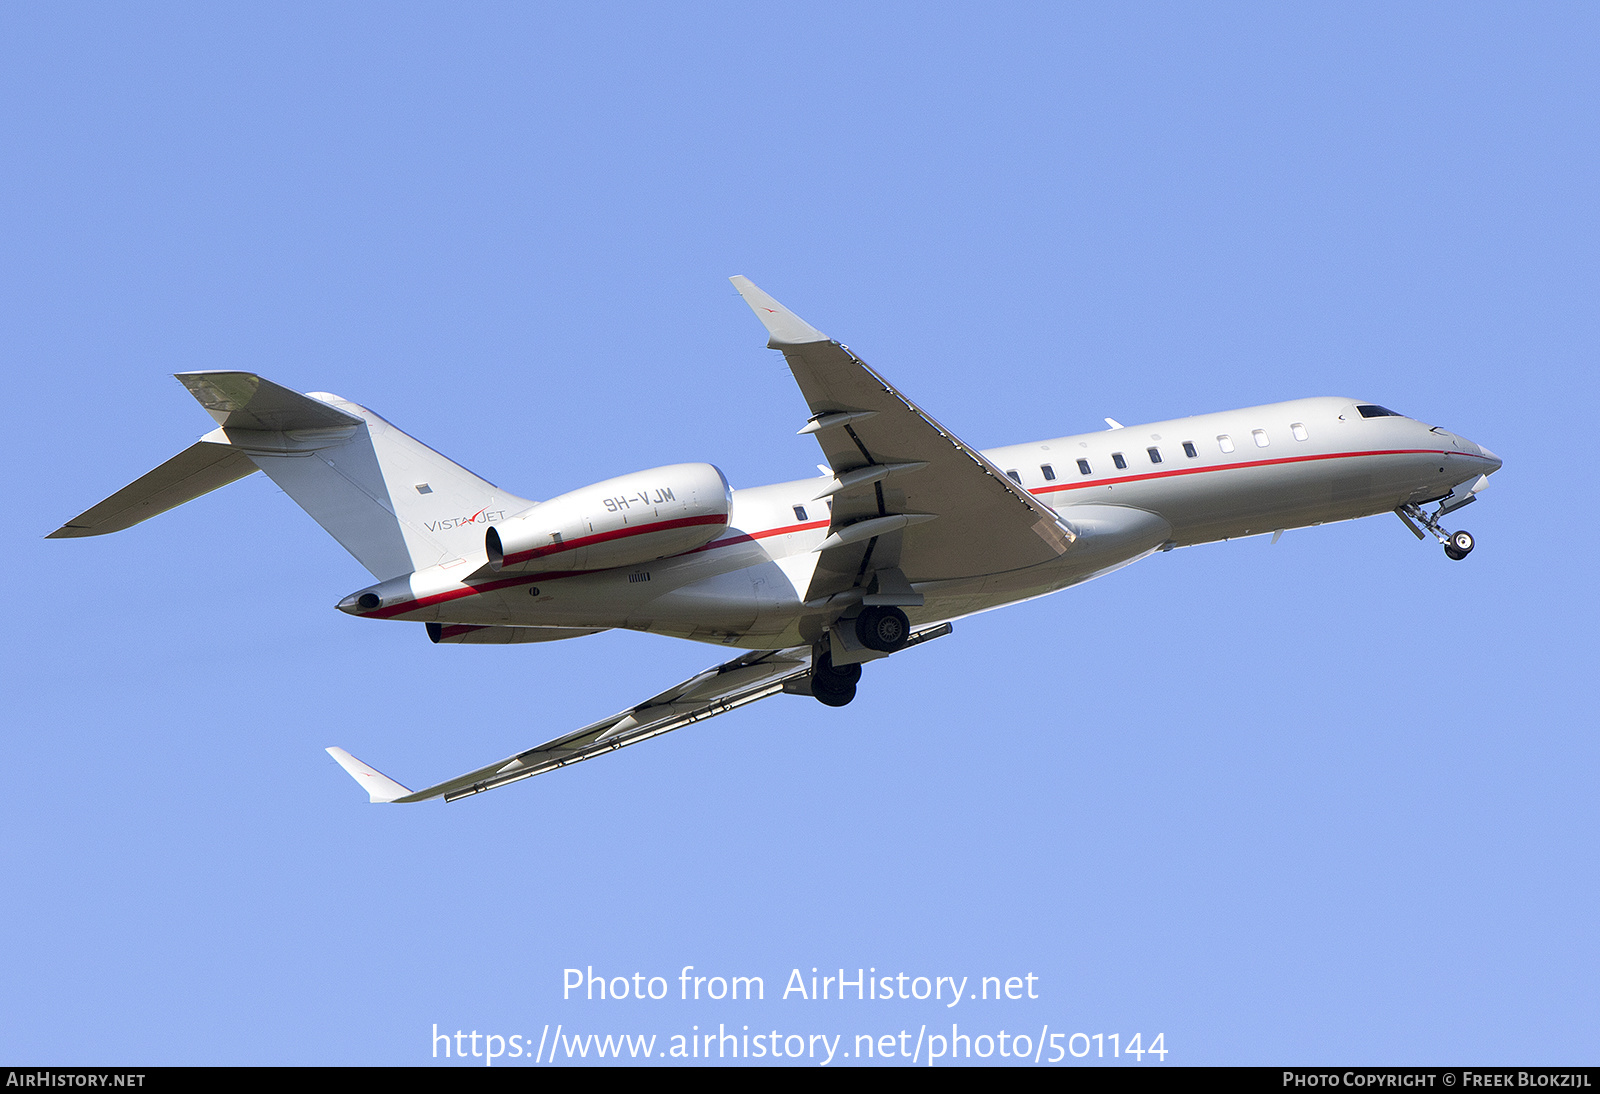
pixel 717 690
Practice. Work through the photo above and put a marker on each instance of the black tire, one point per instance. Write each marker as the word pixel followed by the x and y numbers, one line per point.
pixel 831 686
pixel 839 675
pixel 830 692
pixel 884 629
pixel 1462 542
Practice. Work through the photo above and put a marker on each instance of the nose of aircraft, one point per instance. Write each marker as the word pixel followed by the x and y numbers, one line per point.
pixel 1473 448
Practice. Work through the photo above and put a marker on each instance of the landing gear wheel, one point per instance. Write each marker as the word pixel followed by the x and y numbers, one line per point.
pixel 842 674
pixel 884 629
pixel 1457 545
pixel 833 698
pixel 833 687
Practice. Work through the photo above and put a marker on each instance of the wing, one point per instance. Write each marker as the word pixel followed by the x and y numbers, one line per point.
pixel 717 690
pixel 910 500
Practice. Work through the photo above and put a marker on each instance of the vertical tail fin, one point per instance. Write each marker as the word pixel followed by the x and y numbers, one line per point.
pixel 393 502
pixel 390 500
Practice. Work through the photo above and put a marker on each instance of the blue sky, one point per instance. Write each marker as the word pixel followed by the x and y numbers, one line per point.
pixel 1323 801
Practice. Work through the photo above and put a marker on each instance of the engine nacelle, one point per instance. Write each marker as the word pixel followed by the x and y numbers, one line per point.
pixel 620 522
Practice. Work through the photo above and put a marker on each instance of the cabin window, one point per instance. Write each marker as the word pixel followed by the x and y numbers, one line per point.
pixel 1261 437
pixel 1299 431
pixel 1116 458
pixel 800 512
pixel 1225 442
pixel 424 488
pixel 1048 472
pixel 1368 410
pixel 1155 454
pixel 1014 477
pixel 1189 449
pixel 1083 467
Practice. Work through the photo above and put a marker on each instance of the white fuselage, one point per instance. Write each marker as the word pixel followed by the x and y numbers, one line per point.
pixel 1251 471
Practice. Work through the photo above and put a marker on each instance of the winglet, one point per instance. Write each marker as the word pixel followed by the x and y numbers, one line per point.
pixel 379 787
pixel 784 327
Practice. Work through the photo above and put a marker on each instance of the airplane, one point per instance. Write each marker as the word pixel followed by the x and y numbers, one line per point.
pixel 907 529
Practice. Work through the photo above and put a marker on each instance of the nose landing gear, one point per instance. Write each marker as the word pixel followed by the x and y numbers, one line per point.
pixel 1457 545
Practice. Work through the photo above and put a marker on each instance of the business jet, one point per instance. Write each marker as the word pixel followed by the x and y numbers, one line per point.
pixel 907 529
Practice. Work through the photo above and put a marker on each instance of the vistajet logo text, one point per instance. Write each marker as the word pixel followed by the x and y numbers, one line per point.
pixel 482 516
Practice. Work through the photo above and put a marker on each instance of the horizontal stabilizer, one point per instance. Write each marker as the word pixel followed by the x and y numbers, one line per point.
pixel 379 787
pixel 243 400
pixel 198 469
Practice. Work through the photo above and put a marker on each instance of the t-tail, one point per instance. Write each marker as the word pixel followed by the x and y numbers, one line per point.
pixel 394 503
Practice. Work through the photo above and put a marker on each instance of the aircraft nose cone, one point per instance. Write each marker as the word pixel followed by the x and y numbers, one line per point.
pixel 1492 456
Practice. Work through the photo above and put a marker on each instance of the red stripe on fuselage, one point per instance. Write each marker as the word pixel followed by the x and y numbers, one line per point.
pixel 551 575
pixel 1172 472
pixel 751 537
pixel 605 537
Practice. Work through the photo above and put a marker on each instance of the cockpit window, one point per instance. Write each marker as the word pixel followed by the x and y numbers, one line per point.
pixel 1369 410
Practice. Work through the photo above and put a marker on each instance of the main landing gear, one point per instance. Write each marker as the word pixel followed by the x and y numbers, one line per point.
pixel 1457 545
pixel 882 628
pixel 833 687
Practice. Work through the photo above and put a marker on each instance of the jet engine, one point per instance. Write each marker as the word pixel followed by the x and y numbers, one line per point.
pixel 620 522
